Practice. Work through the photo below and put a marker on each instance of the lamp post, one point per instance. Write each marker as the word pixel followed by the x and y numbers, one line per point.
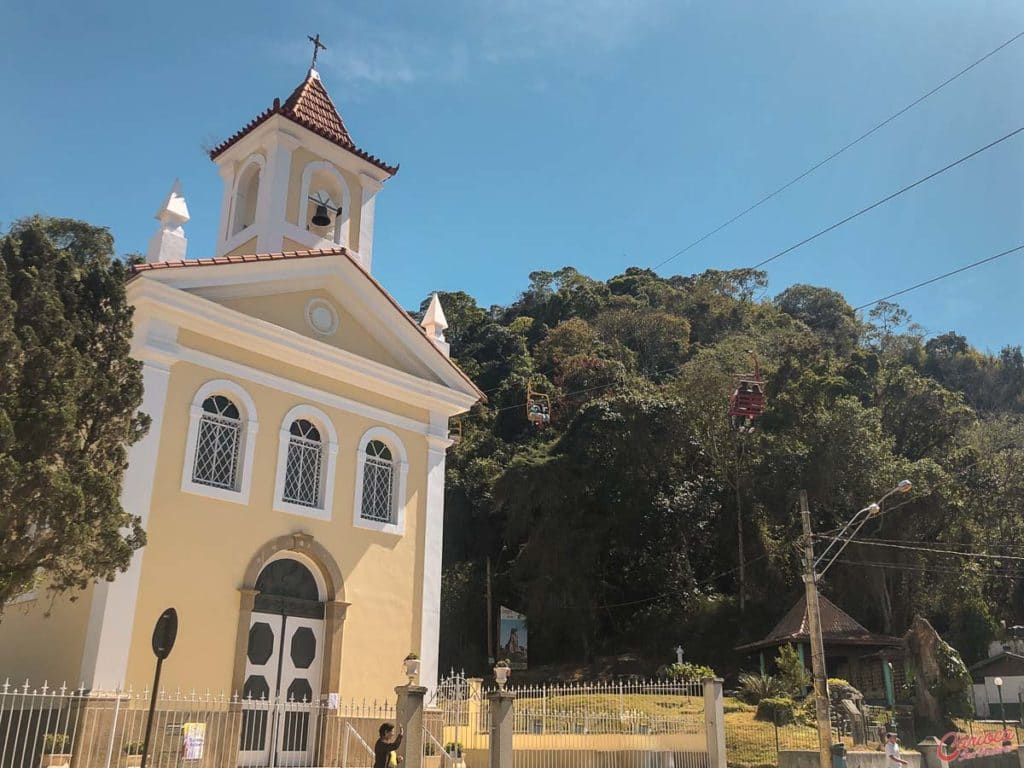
pixel 1002 710
pixel 812 573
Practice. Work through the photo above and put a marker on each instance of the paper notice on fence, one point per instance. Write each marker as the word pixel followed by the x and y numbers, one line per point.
pixel 193 739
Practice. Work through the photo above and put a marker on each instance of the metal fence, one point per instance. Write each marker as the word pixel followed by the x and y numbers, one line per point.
pixel 635 724
pixel 48 727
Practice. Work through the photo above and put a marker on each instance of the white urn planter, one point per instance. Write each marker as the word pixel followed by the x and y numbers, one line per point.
pixel 501 675
pixel 412 670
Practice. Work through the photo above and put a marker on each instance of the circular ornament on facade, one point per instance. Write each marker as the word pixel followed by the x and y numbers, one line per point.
pixel 321 316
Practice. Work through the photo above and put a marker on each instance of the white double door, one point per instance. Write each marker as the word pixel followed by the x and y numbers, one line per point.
pixel 281 692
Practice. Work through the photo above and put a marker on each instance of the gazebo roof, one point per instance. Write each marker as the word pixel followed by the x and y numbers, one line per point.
pixel 837 628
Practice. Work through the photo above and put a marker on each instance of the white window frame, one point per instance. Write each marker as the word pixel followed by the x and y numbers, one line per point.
pixel 247 436
pixel 400 459
pixel 328 467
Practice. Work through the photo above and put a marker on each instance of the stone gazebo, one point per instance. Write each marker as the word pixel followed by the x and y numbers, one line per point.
pixel 852 652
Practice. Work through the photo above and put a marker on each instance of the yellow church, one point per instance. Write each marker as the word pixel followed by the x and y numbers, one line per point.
pixel 292 482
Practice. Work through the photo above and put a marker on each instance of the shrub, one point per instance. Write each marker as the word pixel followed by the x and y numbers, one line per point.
pixel 454 748
pixel 429 748
pixel 780 710
pixel 754 688
pixel 55 743
pixel 688 673
pixel 792 673
pixel 133 747
pixel 839 689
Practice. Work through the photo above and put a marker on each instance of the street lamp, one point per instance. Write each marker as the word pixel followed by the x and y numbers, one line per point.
pixel 1002 710
pixel 811 575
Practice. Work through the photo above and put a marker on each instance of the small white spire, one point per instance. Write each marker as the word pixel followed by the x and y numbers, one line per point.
pixel 168 242
pixel 435 323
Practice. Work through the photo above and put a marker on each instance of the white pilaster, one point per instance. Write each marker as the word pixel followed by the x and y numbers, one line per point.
pixel 433 539
pixel 271 213
pixel 112 614
pixel 370 187
pixel 227 173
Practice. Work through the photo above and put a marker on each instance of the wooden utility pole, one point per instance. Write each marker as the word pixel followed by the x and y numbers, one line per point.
pixel 821 704
pixel 490 617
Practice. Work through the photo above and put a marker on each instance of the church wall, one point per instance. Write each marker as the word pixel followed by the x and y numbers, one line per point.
pixel 43 648
pixel 261 362
pixel 200 547
pixel 288 310
pixel 302 157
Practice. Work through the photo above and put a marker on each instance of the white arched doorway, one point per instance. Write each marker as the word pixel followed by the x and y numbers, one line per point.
pixel 283 664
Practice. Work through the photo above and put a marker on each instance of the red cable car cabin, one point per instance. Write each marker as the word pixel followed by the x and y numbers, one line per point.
pixel 747 401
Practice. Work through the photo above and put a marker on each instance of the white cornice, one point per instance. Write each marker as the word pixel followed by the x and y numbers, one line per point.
pixel 347 281
pixel 208 318
pixel 262 134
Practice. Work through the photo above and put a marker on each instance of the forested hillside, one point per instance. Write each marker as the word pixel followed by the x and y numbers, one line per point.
pixel 639 519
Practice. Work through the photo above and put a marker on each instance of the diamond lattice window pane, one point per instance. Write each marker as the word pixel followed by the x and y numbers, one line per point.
pixel 217 447
pixel 378 485
pixel 303 471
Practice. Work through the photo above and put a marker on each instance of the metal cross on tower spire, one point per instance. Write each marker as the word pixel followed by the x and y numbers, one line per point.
pixel 317 47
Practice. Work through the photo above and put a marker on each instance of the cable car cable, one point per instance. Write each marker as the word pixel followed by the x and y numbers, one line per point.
pixel 838 152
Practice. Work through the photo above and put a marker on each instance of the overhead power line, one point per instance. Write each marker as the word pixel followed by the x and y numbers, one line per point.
pixel 987 573
pixel 838 152
pixel 932 550
pixel 943 276
pixel 887 198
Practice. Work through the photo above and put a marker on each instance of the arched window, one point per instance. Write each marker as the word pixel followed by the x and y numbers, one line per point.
pixel 378 484
pixel 246 197
pixel 306 461
pixel 304 466
pixel 218 444
pixel 380 481
pixel 221 441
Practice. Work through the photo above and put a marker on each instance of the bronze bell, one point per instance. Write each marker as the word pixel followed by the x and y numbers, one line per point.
pixel 320 217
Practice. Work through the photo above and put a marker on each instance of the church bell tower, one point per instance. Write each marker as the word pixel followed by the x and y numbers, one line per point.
pixel 295 180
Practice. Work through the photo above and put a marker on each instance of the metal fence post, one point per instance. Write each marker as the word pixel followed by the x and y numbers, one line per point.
pixel 410 716
pixel 502 720
pixel 714 721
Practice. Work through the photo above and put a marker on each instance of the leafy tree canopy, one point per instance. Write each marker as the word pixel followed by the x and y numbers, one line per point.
pixel 68 398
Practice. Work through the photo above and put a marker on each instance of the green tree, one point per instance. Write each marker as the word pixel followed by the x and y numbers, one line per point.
pixel 68 398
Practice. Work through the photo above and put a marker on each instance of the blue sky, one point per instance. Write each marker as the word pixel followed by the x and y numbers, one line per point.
pixel 534 134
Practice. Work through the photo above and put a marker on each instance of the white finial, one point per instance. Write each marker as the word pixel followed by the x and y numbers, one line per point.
pixel 169 243
pixel 434 323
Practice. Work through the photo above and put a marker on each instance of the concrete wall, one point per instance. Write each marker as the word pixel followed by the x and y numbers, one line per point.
pixel 800 758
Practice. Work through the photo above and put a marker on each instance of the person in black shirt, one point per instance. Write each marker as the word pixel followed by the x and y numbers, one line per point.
pixel 384 749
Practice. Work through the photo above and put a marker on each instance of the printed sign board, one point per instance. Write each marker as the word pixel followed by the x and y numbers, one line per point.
pixel 193 736
pixel 512 638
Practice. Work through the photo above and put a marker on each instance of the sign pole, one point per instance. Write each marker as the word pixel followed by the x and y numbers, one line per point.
pixel 164 634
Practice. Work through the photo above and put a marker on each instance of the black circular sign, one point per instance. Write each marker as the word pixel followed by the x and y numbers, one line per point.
pixel 164 633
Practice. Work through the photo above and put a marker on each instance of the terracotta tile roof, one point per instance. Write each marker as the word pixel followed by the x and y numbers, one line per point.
pixel 241 259
pixel 136 269
pixel 837 626
pixel 311 107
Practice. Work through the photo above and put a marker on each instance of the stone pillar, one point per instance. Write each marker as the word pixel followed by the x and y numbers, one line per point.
pixel 502 718
pixel 409 713
pixel 929 749
pixel 714 721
